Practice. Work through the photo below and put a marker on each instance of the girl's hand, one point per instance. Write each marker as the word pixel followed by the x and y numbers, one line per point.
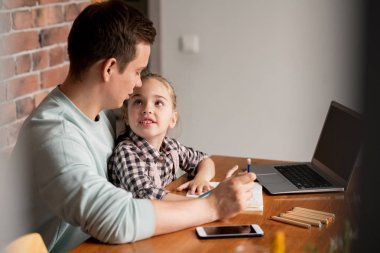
pixel 196 186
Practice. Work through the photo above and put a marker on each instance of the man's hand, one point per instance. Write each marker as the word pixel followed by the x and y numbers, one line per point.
pixel 232 195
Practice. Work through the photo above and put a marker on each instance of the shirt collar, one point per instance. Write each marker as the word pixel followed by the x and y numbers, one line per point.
pixel 166 146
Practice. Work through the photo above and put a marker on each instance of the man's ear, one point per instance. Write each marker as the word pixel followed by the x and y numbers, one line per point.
pixel 108 67
pixel 173 120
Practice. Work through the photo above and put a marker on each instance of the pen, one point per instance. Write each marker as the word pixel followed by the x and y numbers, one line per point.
pixel 248 165
pixel 205 194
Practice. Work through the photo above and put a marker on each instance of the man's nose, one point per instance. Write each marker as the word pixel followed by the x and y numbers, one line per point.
pixel 138 84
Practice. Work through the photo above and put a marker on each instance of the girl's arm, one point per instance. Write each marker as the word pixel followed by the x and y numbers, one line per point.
pixel 200 183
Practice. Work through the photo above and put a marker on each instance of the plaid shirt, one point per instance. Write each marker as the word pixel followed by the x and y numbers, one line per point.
pixel 132 165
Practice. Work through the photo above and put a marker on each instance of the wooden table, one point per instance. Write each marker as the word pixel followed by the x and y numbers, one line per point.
pixel 297 239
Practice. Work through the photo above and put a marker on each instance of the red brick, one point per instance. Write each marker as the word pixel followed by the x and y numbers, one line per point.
pixel 24 107
pixel 54 35
pixel 12 4
pixel 8 68
pixel 22 86
pixel 23 19
pixel 21 41
pixel 52 1
pixel 7 113
pixel 23 63
pixel 53 77
pixel 40 60
pixel 39 97
pixel 57 55
pixel 84 5
pixel 72 11
pixel 5 21
pixel 49 15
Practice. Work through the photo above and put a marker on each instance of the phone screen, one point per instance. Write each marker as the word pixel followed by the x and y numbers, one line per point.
pixel 225 230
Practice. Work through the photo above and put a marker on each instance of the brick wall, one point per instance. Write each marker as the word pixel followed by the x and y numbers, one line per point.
pixel 33 57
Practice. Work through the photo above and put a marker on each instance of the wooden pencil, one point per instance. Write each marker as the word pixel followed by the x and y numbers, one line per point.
pixel 323 218
pixel 289 221
pixel 314 211
pixel 312 222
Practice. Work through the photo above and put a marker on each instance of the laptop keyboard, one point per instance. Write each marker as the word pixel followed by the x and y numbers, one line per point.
pixel 302 176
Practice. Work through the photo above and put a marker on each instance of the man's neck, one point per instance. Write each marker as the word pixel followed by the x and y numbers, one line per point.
pixel 83 95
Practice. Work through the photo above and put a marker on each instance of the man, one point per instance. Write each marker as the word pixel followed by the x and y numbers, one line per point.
pixel 66 141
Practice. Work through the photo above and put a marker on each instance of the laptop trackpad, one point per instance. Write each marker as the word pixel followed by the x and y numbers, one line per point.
pixel 272 179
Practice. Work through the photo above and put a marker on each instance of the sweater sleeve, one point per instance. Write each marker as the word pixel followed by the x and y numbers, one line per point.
pixel 73 189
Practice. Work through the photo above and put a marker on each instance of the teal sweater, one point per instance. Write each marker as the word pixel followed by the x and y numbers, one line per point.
pixel 64 156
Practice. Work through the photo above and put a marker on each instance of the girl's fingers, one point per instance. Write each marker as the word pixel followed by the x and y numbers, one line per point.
pixel 183 186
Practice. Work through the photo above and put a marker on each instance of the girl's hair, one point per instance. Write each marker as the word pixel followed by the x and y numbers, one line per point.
pixel 166 83
pixel 162 80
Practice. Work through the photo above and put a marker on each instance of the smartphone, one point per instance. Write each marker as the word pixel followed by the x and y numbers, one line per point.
pixel 229 231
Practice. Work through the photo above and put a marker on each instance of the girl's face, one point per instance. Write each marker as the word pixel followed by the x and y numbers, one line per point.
pixel 151 112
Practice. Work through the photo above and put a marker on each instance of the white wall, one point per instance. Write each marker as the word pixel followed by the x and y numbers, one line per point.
pixel 265 74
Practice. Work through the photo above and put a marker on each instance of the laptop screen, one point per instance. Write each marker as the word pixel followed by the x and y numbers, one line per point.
pixel 340 140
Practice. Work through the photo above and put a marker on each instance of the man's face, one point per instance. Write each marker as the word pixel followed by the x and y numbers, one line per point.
pixel 122 84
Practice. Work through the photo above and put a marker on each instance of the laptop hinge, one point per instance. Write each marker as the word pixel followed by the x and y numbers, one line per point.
pixel 328 172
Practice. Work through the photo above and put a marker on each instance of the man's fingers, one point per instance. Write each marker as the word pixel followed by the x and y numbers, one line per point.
pixel 252 176
pixel 231 171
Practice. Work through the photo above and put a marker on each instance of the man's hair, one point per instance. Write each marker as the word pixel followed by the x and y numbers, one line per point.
pixel 105 30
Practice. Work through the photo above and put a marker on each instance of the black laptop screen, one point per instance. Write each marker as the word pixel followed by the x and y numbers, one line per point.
pixel 340 140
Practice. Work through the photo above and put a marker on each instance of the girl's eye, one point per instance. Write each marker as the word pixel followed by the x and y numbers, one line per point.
pixel 137 102
pixel 160 103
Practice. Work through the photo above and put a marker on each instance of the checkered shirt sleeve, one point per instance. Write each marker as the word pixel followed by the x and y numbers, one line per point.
pixel 189 158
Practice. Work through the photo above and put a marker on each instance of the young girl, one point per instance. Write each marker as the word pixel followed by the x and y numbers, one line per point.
pixel 146 160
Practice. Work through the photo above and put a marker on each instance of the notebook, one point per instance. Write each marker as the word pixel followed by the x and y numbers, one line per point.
pixel 333 161
pixel 257 198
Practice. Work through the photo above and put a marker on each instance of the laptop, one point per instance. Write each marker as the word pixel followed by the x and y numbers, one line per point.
pixel 332 164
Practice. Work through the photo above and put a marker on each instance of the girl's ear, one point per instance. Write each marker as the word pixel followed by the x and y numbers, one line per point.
pixel 108 67
pixel 173 120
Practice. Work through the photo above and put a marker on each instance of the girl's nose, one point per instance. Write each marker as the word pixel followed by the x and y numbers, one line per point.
pixel 147 109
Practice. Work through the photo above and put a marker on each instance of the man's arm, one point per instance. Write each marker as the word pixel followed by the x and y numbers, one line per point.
pixel 227 200
pixel 75 191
